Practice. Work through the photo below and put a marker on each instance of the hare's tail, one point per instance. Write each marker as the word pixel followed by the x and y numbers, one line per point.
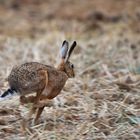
pixel 9 91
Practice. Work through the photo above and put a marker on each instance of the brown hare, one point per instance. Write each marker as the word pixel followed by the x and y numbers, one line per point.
pixel 46 81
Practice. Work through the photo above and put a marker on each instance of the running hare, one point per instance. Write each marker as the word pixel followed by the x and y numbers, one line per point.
pixel 46 81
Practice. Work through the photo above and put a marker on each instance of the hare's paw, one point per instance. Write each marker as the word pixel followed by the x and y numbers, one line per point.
pixel 23 100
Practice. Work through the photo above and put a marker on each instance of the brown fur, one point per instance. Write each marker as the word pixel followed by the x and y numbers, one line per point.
pixel 46 81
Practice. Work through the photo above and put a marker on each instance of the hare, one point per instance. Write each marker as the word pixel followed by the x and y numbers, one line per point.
pixel 44 80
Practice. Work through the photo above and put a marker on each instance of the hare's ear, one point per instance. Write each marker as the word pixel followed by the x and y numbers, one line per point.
pixel 64 49
pixel 71 50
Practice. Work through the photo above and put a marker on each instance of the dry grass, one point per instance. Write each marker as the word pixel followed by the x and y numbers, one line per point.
pixel 101 103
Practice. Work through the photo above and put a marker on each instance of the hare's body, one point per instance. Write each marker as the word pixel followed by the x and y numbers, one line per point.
pixel 56 81
pixel 34 77
pixel 46 81
pixel 26 78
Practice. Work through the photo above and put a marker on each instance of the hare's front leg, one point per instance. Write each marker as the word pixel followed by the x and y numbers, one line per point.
pixel 43 75
pixel 35 100
pixel 41 105
pixel 39 112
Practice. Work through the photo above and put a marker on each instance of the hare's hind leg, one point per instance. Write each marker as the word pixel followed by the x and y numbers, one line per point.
pixel 26 100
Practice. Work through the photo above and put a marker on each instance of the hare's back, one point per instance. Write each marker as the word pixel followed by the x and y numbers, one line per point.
pixel 26 78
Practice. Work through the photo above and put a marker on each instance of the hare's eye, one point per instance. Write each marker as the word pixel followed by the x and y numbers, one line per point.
pixel 71 65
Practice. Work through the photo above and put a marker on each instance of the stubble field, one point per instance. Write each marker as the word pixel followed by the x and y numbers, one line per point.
pixel 103 101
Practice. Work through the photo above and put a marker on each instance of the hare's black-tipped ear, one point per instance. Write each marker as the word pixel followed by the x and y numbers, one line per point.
pixel 64 49
pixel 71 50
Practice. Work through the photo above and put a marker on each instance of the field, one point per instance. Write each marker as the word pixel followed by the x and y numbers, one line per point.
pixel 102 102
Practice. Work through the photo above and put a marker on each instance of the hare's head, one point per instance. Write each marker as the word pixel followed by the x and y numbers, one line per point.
pixel 65 64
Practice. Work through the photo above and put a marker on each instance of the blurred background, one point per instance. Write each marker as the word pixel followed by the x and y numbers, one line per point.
pixel 103 100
